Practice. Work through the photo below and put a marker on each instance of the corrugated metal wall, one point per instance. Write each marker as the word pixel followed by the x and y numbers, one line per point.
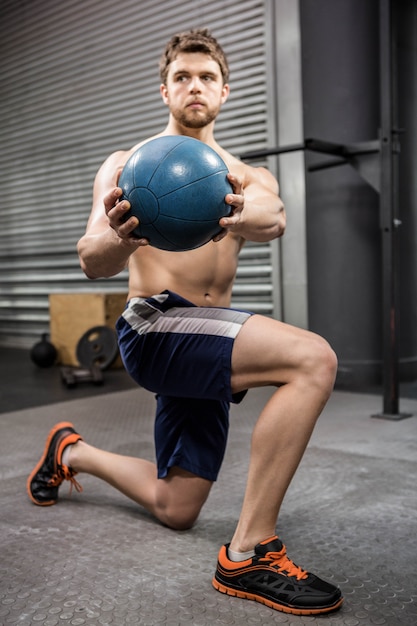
pixel 79 79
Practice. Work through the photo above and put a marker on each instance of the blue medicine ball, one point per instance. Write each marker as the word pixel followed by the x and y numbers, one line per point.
pixel 176 186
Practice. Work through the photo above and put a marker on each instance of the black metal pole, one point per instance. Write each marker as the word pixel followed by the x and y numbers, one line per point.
pixel 388 219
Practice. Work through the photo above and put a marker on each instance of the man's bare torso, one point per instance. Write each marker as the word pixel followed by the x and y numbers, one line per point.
pixel 204 276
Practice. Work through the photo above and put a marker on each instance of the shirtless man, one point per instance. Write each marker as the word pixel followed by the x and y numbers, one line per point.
pixel 171 323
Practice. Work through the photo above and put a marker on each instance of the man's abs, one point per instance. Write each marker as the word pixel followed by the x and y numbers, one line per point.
pixel 204 276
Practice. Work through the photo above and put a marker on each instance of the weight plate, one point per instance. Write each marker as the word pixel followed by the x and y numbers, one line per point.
pixel 97 347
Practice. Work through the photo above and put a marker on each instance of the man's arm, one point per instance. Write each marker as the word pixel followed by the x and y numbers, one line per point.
pixel 107 244
pixel 258 211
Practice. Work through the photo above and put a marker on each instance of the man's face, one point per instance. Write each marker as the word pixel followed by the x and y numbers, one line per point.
pixel 194 90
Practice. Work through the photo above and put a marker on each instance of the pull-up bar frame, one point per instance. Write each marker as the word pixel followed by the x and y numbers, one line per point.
pixel 376 163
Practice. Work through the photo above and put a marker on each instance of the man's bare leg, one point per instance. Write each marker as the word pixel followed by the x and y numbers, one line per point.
pixel 175 500
pixel 306 366
pixel 255 565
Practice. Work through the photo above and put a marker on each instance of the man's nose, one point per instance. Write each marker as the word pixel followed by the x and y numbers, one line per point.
pixel 195 85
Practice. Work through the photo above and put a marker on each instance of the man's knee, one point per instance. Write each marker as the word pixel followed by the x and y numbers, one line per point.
pixel 182 518
pixel 180 498
pixel 322 362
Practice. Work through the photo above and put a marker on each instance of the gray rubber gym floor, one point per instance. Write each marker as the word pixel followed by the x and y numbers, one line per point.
pixel 96 558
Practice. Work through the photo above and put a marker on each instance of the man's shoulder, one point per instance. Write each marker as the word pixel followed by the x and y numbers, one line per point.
pixel 247 173
pixel 143 141
pixel 118 158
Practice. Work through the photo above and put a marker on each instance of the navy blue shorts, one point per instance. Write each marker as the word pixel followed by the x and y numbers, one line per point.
pixel 182 353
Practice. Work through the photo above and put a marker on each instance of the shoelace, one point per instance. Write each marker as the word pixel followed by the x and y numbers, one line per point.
pixel 284 565
pixel 65 473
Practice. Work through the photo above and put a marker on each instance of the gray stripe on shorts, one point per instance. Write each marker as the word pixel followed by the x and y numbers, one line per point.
pixel 143 317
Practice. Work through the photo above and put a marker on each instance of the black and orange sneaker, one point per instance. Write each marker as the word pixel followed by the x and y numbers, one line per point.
pixel 271 578
pixel 44 481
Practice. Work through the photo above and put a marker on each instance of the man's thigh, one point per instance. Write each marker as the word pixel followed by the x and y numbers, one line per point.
pixel 269 352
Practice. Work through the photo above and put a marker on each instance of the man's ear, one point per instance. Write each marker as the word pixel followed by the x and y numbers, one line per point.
pixel 164 93
pixel 225 92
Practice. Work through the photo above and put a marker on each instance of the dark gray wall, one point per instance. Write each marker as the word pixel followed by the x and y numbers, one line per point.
pixel 340 52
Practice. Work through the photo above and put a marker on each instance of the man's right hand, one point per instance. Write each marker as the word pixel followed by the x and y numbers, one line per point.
pixel 116 211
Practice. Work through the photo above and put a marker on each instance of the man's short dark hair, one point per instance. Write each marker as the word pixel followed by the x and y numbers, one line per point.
pixel 196 40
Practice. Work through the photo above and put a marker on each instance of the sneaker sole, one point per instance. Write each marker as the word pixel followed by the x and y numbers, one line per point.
pixel 274 605
pixel 41 462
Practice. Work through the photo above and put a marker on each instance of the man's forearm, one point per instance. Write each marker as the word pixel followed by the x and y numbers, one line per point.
pixel 104 254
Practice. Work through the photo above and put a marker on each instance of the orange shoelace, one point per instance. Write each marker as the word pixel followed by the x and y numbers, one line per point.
pixel 284 565
pixel 65 473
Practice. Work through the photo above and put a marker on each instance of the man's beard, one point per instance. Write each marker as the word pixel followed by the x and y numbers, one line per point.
pixel 188 120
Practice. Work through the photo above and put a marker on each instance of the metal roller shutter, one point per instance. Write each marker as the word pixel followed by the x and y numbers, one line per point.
pixel 79 79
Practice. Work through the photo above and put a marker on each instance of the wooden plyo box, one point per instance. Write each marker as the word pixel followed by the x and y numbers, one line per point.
pixel 73 314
